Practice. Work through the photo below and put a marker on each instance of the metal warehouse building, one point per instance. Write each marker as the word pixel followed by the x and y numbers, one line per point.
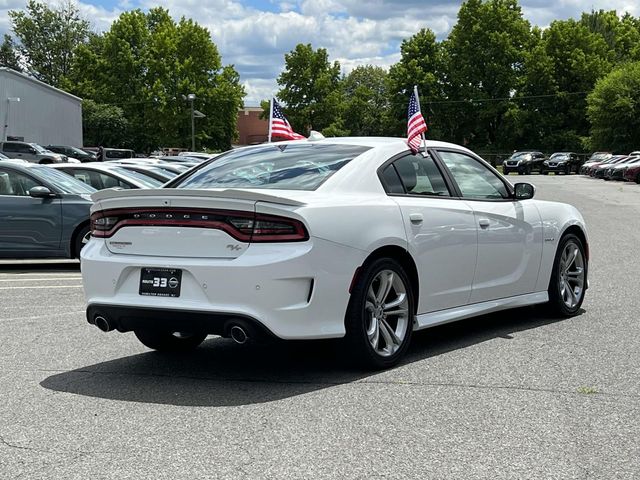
pixel 33 111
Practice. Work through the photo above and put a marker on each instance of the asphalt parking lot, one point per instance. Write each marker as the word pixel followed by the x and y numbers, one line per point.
pixel 509 395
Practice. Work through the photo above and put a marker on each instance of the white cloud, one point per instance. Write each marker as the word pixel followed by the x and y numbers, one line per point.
pixel 354 32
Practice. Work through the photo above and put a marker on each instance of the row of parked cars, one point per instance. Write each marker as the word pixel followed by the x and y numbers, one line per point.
pixel 527 162
pixel 614 167
pixel 44 208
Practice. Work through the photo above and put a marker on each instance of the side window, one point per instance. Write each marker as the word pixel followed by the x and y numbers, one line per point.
pixel 474 179
pixel 420 176
pixel 81 175
pixel 391 181
pixel 9 147
pixel 22 148
pixel 109 182
pixel 17 184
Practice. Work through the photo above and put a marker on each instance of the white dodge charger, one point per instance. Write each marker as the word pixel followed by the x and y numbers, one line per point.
pixel 350 237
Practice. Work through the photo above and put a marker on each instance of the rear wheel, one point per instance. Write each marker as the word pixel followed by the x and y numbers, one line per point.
pixel 379 319
pixel 568 278
pixel 638 178
pixel 81 240
pixel 170 341
pixel 544 172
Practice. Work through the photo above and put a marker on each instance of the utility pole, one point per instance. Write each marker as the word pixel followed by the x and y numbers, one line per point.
pixel 191 97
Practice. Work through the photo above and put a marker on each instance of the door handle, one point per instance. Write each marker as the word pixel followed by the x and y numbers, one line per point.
pixel 416 218
pixel 483 222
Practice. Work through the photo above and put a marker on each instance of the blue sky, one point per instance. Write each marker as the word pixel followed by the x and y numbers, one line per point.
pixel 254 35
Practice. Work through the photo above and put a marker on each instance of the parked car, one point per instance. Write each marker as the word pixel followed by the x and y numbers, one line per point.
pixel 589 168
pixel 561 162
pixel 43 212
pixel 341 237
pixel 73 152
pixel 616 172
pixel 632 173
pixel 101 176
pixel 597 171
pixel 152 171
pixel 524 163
pixel 115 154
pixel 596 157
pixel 198 156
pixel 31 152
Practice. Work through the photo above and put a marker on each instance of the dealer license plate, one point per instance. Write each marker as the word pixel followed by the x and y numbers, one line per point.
pixel 160 282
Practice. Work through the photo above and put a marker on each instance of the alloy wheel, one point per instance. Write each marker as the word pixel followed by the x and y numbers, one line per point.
pixel 387 313
pixel 571 275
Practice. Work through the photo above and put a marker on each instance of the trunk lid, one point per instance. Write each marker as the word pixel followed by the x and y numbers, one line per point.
pixel 180 222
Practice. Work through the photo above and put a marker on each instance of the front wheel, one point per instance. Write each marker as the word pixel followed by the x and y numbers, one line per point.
pixel 379 319
pixel 170 341
pixel 568 277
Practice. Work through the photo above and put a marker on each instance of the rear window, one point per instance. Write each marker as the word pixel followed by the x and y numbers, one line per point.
pixel 294 166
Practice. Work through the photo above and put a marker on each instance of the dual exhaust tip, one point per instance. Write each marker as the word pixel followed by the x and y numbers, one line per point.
pixel 237 332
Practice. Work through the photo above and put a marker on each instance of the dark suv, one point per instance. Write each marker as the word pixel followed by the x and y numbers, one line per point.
pixel 73 152
pixel 561 162
pixel 524 163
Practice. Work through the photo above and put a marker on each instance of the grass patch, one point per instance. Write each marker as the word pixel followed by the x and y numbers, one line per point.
pixel 587 390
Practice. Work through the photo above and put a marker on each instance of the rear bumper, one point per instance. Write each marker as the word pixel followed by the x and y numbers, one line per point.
pixel 126 319
pixel 294 290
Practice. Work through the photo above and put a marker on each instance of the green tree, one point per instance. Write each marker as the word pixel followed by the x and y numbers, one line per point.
pixel 8 55
pixel 310 89
pixel 422 64
pixel 103 124
pixel 613 110
pixel 366 104
pixel 485 54
pixel 48 38
pixel 147 64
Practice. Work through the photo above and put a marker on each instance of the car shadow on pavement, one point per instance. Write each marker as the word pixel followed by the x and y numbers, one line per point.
pixel 221 373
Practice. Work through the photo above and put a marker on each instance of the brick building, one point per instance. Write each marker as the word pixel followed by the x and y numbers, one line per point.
pixel 251 128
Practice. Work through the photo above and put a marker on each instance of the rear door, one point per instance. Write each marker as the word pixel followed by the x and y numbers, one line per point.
pixel 509 231
pixel 441 231
pixel 27 224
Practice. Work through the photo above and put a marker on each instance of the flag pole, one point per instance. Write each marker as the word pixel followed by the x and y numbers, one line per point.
pixel 270 117
pixel 424 138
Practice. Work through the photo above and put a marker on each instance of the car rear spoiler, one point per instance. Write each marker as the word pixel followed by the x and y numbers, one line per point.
pixel 232 193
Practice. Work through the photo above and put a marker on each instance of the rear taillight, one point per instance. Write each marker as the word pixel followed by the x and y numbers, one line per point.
pixel 243 226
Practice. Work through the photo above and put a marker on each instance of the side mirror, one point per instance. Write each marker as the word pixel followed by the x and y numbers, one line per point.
pixel 524 191
pixel 33 150
pixel 41 192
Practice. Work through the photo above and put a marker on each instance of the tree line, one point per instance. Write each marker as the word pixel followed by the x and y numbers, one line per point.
pixel 134 78
pixel 496 83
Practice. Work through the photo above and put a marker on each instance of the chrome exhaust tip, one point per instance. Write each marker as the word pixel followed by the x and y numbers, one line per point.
pixel 102 323
pixel 239 335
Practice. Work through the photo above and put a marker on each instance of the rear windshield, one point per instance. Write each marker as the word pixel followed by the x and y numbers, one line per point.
pixel 294 166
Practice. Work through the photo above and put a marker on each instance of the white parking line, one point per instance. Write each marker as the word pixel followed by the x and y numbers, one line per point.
pixel 40 287
pixel 50 279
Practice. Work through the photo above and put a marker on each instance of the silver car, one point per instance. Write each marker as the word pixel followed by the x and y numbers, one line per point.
pixel 43 212
pixel 31 152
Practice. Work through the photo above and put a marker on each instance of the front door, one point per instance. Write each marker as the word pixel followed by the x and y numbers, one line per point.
pixel 27 224
pixel 509 231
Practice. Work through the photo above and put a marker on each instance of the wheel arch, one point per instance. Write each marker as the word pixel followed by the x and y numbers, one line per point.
pixel 580 233
pixel 403 257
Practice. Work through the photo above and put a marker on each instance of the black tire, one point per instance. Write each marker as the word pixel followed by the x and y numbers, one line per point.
pixel 79 240
pixel 46 161
pixel 505 173
pixel 527 170
pixel 357 318
pixel 520 172
pixel 170 341
pixel 544 172
pixel 638 178
pixel 557 306
pixel 567 171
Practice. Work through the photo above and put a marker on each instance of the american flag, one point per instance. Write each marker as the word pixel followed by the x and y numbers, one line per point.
pixel 416 124
pixel 280 126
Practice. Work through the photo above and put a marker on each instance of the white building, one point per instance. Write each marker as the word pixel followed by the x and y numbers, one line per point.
pixel 33 111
